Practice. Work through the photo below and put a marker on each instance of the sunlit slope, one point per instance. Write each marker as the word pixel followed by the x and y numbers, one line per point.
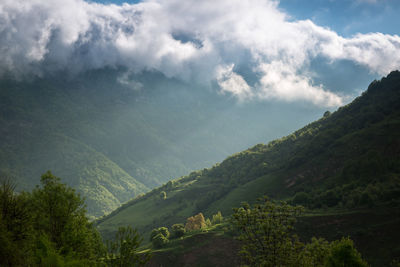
pixel 347 159
pixel 101 181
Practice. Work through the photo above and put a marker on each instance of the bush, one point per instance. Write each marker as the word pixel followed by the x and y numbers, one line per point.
pixel 178 230
pixel 159 241
pixel 217 218
pixel 163 195
pixel 162 230
pixel 343 253
pixel 195 222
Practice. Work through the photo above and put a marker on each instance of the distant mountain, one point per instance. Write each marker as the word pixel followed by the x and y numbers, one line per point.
pixel 113 135
pixel 344 161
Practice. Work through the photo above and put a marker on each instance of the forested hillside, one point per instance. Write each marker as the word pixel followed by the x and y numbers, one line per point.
pixel 113 135
pixel 345 161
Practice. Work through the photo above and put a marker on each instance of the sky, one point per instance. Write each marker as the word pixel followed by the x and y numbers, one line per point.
pixel 321 52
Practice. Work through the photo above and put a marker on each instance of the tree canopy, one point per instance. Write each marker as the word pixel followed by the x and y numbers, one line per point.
pixel 49 227
pixel 266 232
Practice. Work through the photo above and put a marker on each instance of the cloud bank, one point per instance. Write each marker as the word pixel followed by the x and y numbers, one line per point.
pixel 197 41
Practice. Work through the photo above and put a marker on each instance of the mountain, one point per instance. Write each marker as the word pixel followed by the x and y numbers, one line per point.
pixel 113 135
pixel 346 164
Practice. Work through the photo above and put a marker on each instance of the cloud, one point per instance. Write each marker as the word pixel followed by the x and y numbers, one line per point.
pixel 281 82
pixel 233 83
pixel 197 41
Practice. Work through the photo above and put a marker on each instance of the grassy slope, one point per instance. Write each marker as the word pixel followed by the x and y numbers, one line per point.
pixel 337 161
pixel 214 246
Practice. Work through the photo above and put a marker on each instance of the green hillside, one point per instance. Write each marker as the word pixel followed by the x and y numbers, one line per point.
pixel 346 161
pixel 113 140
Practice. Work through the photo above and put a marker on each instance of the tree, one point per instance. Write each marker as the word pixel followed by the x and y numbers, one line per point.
pixel 178 230
pixel 315 253
pixel 208 222
pixel 195 222
pixel 159 241
pixel 159 237
pixel 60 214
pixel 265 231
pixel 217 218
pixel 343 253
pixel 161 230
pixel 163 195
pixel 327 114
pixel 124 250
pixel 16 236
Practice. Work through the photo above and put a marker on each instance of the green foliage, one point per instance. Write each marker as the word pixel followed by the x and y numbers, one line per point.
pixel 177 230
pixel 195 222
pixel 159 237
pixel 217 218
pixel 265 231
pixel 315 253
pixel 346 161
pixel 161 230
pixel 327 113
pixel 163 195
pixel 47 255
pixel 16 232
pixel 159 241
pixel 47 227
pixel 343 253
pixel 124 250
pixel 60 214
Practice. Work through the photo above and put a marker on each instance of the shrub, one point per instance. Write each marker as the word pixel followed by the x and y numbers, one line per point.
pixel 195 222
pixel 159 241
pixel 163 195
pixel 217 218
pixel 178 230
pixel 162 230
pixel 343 253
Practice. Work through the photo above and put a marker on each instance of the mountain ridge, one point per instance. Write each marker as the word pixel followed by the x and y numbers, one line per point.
pixel 346 160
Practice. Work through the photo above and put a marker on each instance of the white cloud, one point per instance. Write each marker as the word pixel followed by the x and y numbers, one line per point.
pixel 231 82
pixel 281 82
pixel 39 36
